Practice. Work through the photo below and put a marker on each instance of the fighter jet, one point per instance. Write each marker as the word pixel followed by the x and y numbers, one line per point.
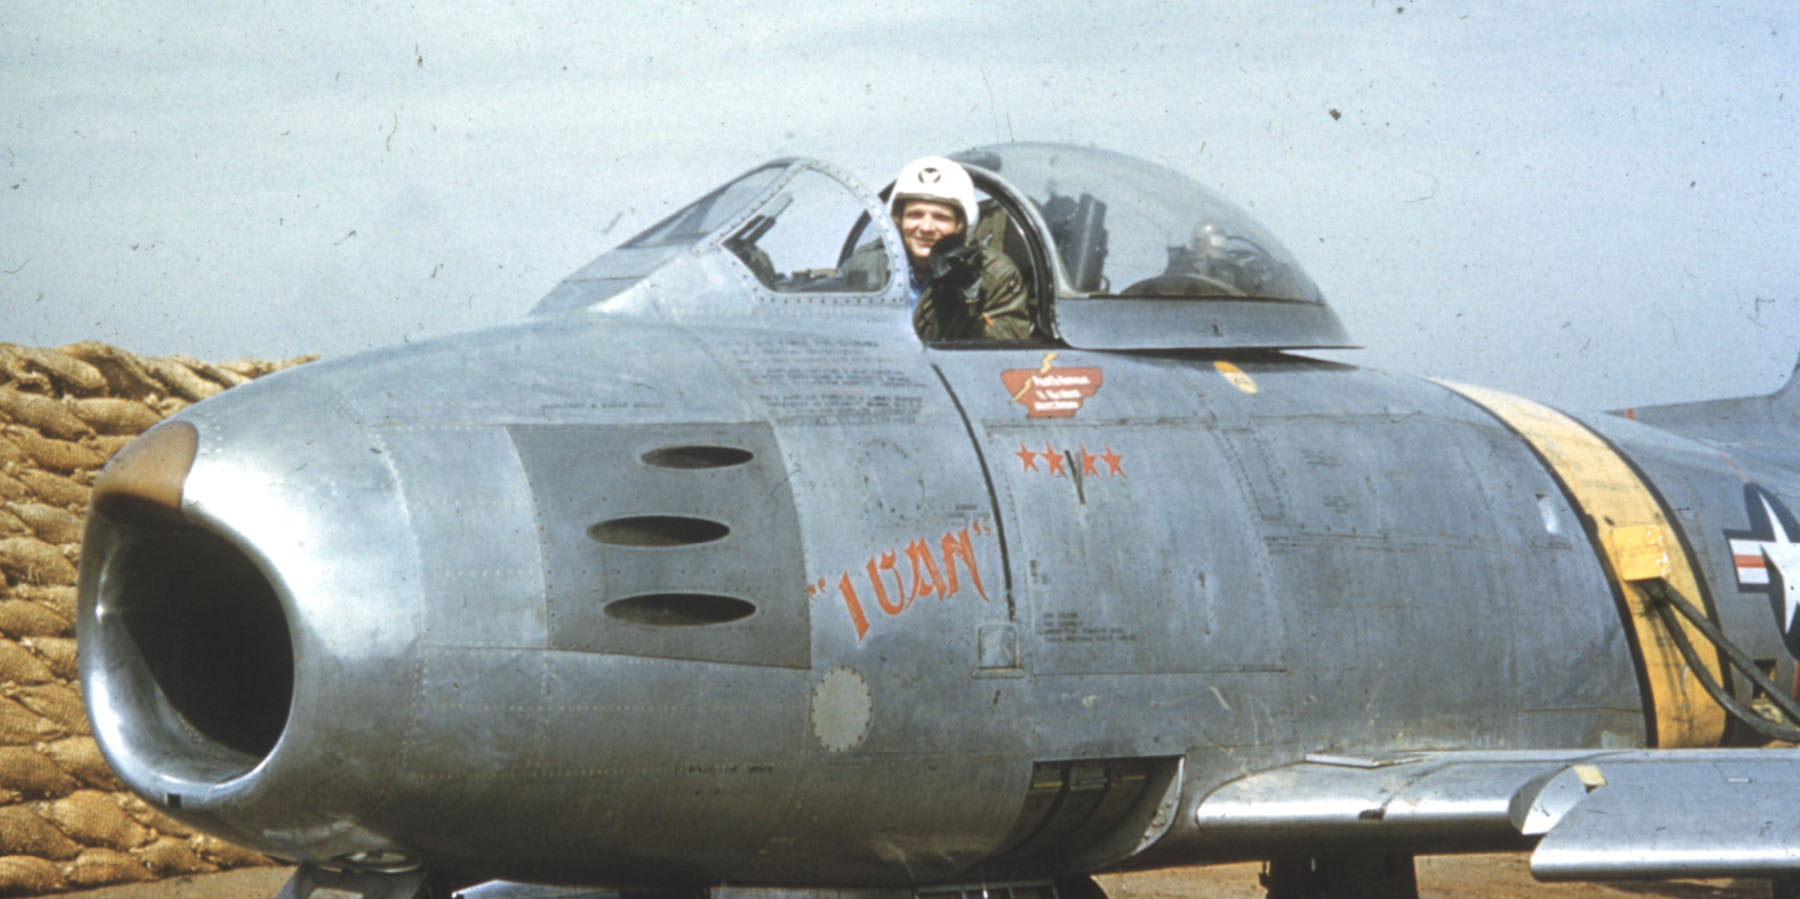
pixel 710 577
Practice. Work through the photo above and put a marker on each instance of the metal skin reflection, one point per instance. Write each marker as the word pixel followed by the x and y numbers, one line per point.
pixel 708 576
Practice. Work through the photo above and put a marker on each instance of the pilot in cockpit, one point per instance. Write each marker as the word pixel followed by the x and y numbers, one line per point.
pixel 960 290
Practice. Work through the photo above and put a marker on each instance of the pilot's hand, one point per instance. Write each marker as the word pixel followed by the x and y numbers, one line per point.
pixel 955 262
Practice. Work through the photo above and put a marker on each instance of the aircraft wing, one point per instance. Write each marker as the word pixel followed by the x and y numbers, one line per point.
pixel 1595 814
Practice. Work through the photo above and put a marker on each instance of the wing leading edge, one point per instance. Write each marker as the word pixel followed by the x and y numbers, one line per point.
pixel 1593 814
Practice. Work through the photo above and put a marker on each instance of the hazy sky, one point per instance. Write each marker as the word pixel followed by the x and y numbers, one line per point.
pixel 1593 204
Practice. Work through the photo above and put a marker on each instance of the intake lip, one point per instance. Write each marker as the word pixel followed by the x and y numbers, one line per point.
pixel 143 483
pixel 187 659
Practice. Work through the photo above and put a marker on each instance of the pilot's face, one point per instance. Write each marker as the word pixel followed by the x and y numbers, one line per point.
pixel 923 223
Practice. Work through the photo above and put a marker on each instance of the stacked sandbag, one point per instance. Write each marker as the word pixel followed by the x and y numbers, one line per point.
pixel 65 821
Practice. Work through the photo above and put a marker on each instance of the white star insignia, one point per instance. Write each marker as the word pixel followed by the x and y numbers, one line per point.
pixel 1781 554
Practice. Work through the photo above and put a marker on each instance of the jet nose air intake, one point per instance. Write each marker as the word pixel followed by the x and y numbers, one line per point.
pixel 187 656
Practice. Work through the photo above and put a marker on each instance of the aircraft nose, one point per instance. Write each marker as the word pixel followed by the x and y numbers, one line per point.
pixel 241 570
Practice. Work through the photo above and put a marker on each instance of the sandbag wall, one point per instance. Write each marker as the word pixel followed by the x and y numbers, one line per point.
pixel 65 821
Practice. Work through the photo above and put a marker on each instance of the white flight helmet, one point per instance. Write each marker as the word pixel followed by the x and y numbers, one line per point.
pixel 939 180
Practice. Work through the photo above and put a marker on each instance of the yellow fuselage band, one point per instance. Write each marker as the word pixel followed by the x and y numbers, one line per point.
pixel 1634 541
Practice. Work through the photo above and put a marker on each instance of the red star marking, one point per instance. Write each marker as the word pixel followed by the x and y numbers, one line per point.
pixel 1054 459
pixel 1028 457
pixel 1112 461
pixel 1087 462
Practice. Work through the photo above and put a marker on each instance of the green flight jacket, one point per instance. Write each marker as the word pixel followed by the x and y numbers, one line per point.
pixel 992 307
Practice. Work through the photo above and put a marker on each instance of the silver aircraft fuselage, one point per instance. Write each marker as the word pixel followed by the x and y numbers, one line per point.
pixel 690 581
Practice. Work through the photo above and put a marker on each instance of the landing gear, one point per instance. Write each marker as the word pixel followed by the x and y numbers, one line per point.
pixel 311 879
pixel 1342 876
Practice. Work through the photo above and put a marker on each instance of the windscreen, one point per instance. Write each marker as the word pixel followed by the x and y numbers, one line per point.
pixel 794 242
pixel 789 217
pixel 699 218
pixel 1124 227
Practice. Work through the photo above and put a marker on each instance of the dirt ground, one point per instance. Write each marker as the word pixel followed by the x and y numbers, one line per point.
pixel 1488 876
pixel 1497 876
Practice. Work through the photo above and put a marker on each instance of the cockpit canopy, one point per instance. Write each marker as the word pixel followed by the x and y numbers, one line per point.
pixel 1123 227
pixel 1116 252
